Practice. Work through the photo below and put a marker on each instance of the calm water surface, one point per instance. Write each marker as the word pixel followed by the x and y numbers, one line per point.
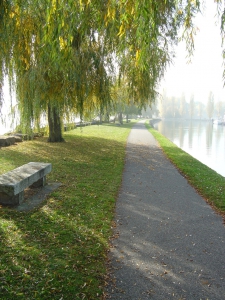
pixel 201 139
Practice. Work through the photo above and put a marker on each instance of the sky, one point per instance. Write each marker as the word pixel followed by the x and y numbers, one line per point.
pixel 6 125
pixel 204 73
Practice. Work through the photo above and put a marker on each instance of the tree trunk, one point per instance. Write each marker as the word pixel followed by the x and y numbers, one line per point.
pixel 100 119
pixel 54 122
pixel 121 118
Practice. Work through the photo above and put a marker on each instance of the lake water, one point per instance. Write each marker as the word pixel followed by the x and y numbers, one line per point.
pixel 201 139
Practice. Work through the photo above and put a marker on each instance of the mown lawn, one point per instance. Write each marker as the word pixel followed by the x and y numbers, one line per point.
pixel 206 181
pixel 59 250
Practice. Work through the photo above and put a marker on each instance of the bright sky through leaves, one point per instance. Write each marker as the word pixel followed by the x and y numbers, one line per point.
pixel 204 73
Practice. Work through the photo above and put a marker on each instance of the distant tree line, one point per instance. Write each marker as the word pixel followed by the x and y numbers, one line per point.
pixel 180 107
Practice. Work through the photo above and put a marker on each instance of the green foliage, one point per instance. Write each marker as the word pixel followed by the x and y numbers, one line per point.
pixel 72 56
pixel 58 250
pixel 64 55
pixel 207 182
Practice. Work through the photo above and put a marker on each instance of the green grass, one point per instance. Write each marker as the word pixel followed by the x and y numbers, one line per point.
pixel 206 181
pixel 59 250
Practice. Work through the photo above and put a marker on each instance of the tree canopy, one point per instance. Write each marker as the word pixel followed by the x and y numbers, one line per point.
pixel 65 57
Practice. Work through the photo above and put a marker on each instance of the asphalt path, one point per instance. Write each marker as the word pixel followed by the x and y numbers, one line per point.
pixel 168 242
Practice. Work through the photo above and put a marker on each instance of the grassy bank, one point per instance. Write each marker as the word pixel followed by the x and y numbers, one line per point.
pixel 58 250
pixel 207 182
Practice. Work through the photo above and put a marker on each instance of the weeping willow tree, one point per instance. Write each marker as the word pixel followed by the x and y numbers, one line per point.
pixel 66 56
pixel 64 69
pixel 58 58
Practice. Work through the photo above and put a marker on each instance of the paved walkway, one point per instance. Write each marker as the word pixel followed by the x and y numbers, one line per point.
pixel 168 243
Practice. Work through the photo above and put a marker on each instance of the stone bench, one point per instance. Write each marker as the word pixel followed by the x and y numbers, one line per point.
pixel 13 183
pixel 6 141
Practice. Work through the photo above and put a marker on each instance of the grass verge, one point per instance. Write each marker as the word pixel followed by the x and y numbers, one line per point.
pixel 208 183
pixel 58 250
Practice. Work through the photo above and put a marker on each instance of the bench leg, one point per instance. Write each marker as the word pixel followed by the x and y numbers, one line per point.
pixel 11 200
pixel 39 183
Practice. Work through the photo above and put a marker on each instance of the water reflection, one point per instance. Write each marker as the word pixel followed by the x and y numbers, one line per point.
pixel 201 139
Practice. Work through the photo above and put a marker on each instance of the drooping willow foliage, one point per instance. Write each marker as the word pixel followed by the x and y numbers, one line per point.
pixel 66 56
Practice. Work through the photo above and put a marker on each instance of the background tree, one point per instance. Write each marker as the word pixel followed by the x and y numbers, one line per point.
pixel 192 107
pixel 183 106
pixel 199 109
pixel 219 109
pixel 210 105
pixel 151 111
pixel 161 104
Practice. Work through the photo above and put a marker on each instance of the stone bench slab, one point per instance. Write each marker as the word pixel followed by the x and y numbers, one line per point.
pixel 7 141
pixel 13 183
